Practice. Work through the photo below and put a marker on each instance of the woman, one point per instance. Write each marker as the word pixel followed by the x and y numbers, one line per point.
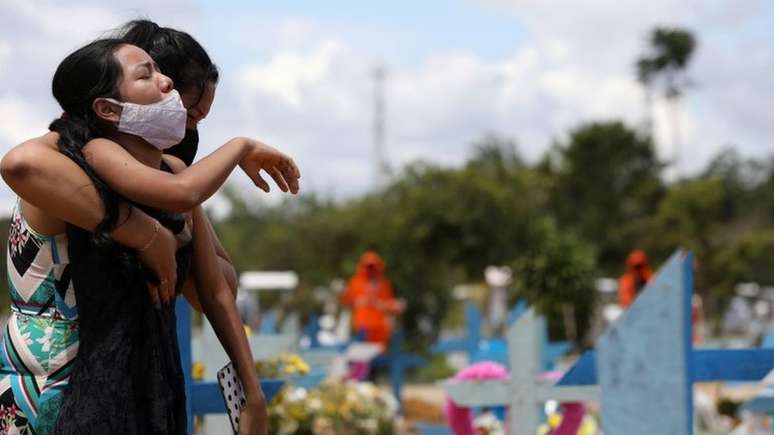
pixel 181 58
pixel 198 191
pixel 127 378
pixel 51 185
pixel 184 60
pixel 38 173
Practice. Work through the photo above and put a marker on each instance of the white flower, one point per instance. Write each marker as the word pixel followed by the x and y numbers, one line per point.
pixel 297 394
pixel 488 424
pixel 391 405
pixel 48 333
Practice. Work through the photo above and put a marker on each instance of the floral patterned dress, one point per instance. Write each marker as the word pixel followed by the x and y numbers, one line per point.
pixel 40 339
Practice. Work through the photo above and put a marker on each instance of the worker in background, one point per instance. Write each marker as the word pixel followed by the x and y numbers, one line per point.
pixel 370 296
pixel 638 274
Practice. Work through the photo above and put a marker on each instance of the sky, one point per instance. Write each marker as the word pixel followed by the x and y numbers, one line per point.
pixel 297 75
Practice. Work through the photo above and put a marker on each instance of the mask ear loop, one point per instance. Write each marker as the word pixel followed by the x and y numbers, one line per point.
pixel 114 101
pixel 117 103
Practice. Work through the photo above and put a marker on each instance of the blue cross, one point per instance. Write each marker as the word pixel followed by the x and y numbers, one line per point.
pixel 397 362
pixel 646 365
pixel 204 397
pixel 495 349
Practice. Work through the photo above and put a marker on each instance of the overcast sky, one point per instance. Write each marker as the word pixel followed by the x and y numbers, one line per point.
pixel 296 74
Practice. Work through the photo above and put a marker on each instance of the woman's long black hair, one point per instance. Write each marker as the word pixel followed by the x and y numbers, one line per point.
pixel 88 73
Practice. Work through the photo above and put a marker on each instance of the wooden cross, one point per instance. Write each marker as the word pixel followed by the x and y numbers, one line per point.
pixel 397 362
pixel 494 349
pixel 204 397
pixel 524 392
pixel 644 364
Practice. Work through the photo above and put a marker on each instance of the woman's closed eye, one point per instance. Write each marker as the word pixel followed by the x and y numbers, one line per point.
pixel 145 71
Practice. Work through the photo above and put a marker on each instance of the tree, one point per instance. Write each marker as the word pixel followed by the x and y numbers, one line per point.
pixel 556 273
pixel 606 183
pixel 664 67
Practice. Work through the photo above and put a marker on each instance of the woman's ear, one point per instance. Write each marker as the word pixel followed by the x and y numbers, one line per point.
pixel 107 110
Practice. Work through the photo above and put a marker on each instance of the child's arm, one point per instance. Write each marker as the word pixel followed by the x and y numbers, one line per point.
pixel 185 190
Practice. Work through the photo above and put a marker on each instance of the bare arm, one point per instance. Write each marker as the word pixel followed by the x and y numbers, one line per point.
pixel 229 274
pixel 185 190
pixel 226 267
pixel 220 308
pixel 50 181
pixel 224 261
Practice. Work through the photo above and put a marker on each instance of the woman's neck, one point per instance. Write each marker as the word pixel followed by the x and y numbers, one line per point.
pixel 139 148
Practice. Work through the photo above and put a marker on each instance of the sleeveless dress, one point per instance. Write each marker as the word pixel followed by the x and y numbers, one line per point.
pixel 127 378
pixel 40 339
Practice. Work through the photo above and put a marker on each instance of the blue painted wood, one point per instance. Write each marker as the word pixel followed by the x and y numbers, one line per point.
pixel 312 330
pixel 518 310
pixel 472 327
pixel 495 349
pixel 768 340
pixel 183 313
pixel 552 350
pixel 432 429
pixel 269 322
pixel 739 365
pixel 643 370
pixel 449 345
pixel 709 365
pixel 549 351
pixel 687 313
pixel 583 372
pixel 467 343
pixel 763 403
pixel 397 362
pixel 206 397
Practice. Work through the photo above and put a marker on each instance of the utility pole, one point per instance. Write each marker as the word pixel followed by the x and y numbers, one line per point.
pixel 381 168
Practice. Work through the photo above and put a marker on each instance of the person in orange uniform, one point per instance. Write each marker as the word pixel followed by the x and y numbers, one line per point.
pixel 638 274
pixel 371 297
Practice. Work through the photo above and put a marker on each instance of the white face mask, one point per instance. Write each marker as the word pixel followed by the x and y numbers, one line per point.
pixel 162 124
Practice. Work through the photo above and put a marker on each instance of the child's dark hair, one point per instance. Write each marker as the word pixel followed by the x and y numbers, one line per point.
pixel 178 54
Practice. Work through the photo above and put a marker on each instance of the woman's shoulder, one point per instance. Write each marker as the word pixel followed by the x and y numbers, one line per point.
pixel 101 141
pixel 23 157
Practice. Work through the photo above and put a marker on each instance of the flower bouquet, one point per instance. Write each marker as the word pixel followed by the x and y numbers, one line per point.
pixel 335 408
pixel 283 366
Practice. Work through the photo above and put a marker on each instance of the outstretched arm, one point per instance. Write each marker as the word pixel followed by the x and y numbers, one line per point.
pixel 185 190
pixel 220 308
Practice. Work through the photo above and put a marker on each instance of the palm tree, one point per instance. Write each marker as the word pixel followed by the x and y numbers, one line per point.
pixel 664 68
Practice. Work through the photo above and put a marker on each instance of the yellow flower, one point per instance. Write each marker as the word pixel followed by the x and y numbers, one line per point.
pixel 197 371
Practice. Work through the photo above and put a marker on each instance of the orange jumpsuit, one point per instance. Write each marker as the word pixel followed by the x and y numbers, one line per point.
pixel 371 297
pixel 638 274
